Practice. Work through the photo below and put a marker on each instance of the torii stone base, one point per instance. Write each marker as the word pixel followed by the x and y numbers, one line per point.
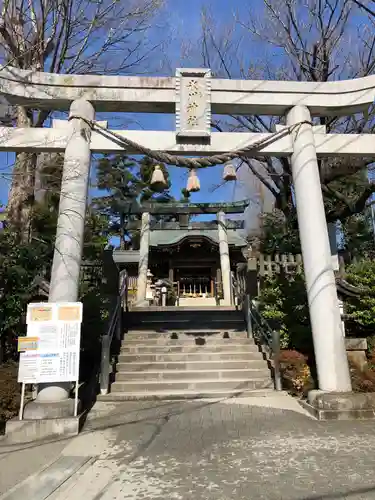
pixel 340 405
pixel 29 430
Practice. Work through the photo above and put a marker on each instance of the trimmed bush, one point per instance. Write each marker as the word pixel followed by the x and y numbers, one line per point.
pixel 295 372
pixel 10 396
pixel 362 380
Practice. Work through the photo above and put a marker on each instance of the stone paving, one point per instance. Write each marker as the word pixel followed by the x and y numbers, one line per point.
pixel 17 465
pixel 259 448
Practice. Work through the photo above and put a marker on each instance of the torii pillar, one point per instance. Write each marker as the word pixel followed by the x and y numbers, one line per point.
pixel 224 258
pixel 329 344
pixel 53 399
pixel 143 259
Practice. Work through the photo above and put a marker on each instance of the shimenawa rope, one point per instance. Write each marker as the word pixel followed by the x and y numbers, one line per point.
pixel 182 161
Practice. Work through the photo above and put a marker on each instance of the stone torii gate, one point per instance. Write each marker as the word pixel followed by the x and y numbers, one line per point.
pixel 218 209
pixel 193 95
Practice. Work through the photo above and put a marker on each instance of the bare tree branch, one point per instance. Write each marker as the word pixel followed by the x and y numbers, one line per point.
pixel 363 6
pixel 71 36
pixel 313 40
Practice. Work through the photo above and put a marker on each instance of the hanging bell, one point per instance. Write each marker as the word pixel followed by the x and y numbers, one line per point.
pixel 158 181
pixel 229 173
pixel 193 184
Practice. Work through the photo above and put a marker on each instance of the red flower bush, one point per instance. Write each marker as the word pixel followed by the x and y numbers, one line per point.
pixel 291 356
pixel 295 372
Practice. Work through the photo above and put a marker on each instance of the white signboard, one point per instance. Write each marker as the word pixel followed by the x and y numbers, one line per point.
pixel 58 330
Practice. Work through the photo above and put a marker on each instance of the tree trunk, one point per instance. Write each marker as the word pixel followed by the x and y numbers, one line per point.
pixel 39 184
pixel 21 195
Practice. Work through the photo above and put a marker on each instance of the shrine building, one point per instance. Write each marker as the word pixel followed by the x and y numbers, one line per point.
pixel 200 259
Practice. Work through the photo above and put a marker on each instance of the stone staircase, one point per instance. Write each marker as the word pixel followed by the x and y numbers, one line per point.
pixel 180 353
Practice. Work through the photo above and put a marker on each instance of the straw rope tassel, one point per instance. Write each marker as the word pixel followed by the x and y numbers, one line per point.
pixel 193 184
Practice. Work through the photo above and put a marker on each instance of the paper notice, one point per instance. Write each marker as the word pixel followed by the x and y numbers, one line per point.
pixel 28 368
pixel 49 367
pixel 48 334
pixel 39 312
pixel 70 334
pixel 69 312
pixel 69 366
pixel 28 343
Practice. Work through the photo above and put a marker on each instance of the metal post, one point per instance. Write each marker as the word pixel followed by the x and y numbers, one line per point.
pixel 249 323
pixel 276 359
pixel 76 399
pixel 104 368
pixel 20 414
pixel 119 331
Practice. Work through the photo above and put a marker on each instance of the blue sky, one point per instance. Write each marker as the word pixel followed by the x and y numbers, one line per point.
pixel 184 24
pixel 183 18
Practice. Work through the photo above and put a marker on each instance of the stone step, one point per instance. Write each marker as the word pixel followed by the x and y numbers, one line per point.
pixel 187 353
pixel 185 341
pixel 185 324
pixel 186 334
pixel 193 375
pixel 193 365
pixel 171 395
pixel 187 348
pixel 201 355
pixel 192 385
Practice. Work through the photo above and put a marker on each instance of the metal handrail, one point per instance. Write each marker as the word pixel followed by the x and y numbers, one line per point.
pixel 268 336
pixel 114 325
pixel 263 327
pixel 258 327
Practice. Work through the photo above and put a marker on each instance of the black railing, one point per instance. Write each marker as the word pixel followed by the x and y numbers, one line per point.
pixel 258 327
pixel 267 337
pixel 114 331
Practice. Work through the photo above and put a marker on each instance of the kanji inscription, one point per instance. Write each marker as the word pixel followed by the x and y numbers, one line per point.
pixel 193 103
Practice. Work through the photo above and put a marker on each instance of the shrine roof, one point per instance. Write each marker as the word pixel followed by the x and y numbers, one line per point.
pixel 347 289
pixel 172 237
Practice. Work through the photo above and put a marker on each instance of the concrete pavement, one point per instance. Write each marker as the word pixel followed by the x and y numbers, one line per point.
pixel 17 465
pixel 259 448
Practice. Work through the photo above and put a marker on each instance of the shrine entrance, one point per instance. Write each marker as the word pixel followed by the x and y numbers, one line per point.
pixel 195 282
pixel 197 258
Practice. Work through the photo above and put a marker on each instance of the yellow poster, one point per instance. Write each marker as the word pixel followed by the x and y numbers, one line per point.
pixel 28 343
pixel 69 313
pixel 40 313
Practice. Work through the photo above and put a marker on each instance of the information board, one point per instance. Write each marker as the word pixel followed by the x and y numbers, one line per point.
pixel 50 350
